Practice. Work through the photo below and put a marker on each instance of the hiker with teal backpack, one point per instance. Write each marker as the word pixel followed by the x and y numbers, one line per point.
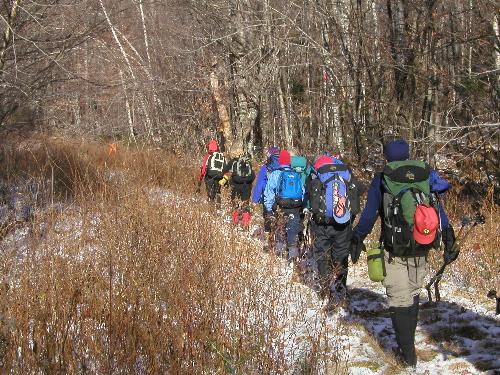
pixel 301 165
pixel 284 191
pixel 242 176
pixel 413 222
pixel 333 193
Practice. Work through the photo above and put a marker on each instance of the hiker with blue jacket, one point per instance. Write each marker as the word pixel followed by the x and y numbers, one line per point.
pixel 333 193
pixel 260 184
pixel 412 222
pixel 285 191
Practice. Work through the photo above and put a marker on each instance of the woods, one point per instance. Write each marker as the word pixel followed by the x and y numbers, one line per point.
pixel 306 75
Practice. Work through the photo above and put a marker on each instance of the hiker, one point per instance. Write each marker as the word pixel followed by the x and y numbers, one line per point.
pixel 284 190
pixel 412 222
pixel 242 177
pixel 258 192
pixel 212 170
pixel 333 193
pixel 301 165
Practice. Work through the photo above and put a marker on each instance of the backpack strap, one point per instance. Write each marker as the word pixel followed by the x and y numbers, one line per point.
pixel 333 168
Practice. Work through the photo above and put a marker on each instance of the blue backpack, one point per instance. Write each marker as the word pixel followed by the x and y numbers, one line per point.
pixel 290 189
pixel 332 201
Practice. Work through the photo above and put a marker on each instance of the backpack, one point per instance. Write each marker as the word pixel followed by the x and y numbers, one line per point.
pixel 299 164
pixel 215 165
pixel 242 171
pixel 334 195
pixel 290 189
pixel 406 186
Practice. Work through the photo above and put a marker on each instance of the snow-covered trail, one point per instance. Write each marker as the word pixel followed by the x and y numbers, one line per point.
pixel 457 336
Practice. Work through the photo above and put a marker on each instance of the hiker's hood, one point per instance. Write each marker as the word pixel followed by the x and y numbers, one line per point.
pixel 397 150
pixel 213 146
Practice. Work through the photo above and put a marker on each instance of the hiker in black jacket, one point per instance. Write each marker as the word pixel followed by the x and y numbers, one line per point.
pixel 242 177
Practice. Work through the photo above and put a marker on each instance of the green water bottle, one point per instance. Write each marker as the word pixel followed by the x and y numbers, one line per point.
pixel 376 265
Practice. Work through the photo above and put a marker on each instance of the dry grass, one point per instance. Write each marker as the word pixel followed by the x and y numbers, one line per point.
pixel 478 265
pixel 126 281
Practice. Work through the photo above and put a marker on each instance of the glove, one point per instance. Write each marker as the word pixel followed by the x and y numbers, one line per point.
pixel 355 248
pixel 223 181
pixel 451 251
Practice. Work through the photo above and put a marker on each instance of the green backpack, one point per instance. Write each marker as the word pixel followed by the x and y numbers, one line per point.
pixel 406 185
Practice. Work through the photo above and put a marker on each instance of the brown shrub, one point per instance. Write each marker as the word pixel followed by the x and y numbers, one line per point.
pixel 136 282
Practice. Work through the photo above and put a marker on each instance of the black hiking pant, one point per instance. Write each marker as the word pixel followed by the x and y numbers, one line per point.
pixel 331 251
pixel 241 191
pixel 213 189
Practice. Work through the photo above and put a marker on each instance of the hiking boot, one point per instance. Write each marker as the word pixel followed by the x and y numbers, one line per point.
pixel 404 324
pixel 339 296
pixel 245 220
pixel 293 253
pixel 335 302
pixel 235 216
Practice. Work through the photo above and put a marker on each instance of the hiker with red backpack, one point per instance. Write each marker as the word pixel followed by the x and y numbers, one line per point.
pixel 212 171
pixel 412 222
pixel 333 193
pixel 284 191
pixel 242 177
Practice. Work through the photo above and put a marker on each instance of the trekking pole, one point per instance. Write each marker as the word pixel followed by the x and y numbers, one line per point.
pixel 439 274
pixel 478 219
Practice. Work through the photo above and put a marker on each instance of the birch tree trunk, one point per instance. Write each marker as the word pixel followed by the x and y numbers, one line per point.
pixel 130 69
pixel 245 86
pixel 7 35
pixel 224 121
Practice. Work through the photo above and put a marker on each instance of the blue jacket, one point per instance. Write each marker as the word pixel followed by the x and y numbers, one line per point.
pixel 260 184
pixel 373 207
pixel 271 188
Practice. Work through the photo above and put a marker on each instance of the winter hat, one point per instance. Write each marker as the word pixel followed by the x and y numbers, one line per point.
pixel 273 150
pixel 397 150
pixel 213 146
pixel 284 158
pixel 322 160
pixel 425 225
